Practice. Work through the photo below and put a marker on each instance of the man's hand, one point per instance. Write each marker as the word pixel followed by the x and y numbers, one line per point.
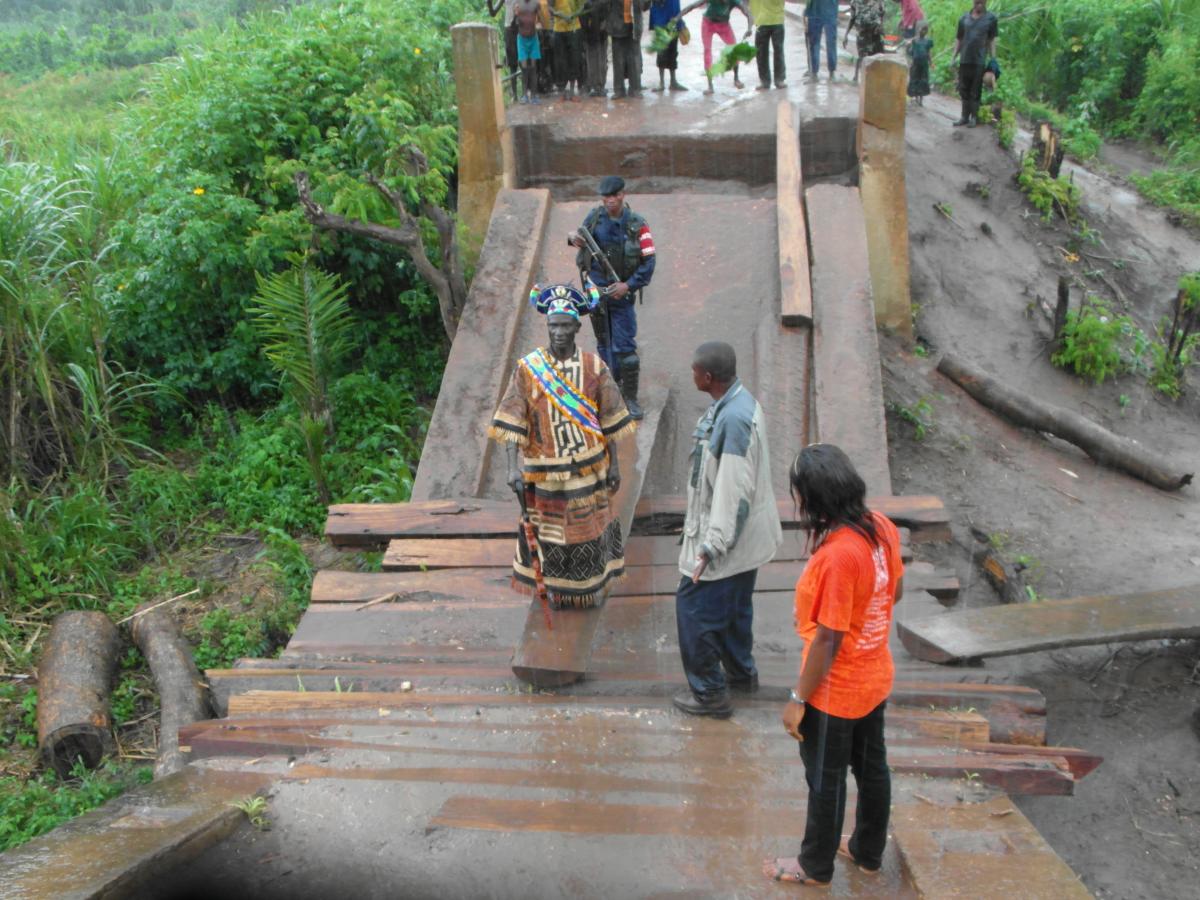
pixel 618 290
pixel 701 565
pixel 516 481
pixel 746 36
pixel 575 240
pixel 614 480
pixel 793 715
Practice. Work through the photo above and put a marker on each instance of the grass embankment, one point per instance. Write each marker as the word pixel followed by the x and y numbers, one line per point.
pixel 143 423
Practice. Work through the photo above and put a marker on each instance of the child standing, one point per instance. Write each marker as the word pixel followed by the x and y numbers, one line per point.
pixel 716 22
pixel 662 12
pixel 526 14
pixel 919 52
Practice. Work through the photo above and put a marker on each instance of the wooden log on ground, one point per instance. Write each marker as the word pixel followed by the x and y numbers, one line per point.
pixel 1105 447
pixel 1052 624
pixel 74 681
pixel 183 697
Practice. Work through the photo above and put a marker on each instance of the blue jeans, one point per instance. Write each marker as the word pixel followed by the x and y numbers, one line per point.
pixel 622 318
pixel 831 745
pixel 815 28
pixel 716 629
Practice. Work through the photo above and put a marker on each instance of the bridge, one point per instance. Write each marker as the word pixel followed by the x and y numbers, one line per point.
pixel 423 734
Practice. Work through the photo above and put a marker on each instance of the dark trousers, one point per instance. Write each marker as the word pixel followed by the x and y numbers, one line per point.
pixel 619 316
pixel 627 64
pixel 970 88
pixel 766 37
pixel 596 51
pixel 830 746
pixel 568 53
pixel 668 56
pixel 716 629
pixel 817 27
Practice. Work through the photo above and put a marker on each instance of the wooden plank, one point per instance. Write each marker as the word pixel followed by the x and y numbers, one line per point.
pixel 424 554
pixel 1005 630
pixel 588 817
pixel 1040 774
pixel 941 584
pixel 419 555
pixel 368 525
pixel 558 655
pixel 794 285
pixel 456 451
pixel 847 382
pixel 986 851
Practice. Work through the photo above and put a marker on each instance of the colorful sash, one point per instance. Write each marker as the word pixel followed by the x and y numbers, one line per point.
pixel 570 401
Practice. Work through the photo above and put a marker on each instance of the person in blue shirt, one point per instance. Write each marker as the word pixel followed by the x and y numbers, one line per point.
pixel 821 18
pixel 667 60
pixel 624 238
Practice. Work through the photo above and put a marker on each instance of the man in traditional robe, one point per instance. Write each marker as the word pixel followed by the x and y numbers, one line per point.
pixel 563 411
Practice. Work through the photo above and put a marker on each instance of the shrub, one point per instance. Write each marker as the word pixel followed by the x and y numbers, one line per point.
pixel 1091 342
pixel 1046 193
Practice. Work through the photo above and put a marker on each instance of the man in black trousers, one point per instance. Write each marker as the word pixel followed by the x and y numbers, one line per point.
pixel 976 44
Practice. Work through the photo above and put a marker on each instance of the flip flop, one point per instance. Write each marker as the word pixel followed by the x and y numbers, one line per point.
pixel 777 871
pixel 843 850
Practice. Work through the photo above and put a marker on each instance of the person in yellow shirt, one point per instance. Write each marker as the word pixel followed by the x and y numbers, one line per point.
pixel 768 37
pixel 568 47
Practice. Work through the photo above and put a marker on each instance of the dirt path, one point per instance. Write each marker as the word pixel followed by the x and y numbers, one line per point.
pixel 1133 828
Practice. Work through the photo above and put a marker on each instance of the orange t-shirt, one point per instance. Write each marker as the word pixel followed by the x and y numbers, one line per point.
pixel 849 586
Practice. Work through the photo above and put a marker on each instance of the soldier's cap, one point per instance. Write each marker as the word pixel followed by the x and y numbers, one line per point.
pixel 611 184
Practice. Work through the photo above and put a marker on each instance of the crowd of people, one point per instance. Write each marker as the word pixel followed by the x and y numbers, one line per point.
pixel 563 47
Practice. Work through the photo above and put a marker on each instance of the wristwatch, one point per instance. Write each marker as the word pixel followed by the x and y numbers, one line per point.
pixel 794 697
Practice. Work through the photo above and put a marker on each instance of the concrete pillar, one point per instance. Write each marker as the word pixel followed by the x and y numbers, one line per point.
pixel 882 104
pixel 484 144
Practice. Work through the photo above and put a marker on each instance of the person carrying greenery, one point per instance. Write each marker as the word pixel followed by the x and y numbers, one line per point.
pixel 716 22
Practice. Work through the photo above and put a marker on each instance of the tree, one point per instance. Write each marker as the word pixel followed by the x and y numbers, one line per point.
pixel 447 280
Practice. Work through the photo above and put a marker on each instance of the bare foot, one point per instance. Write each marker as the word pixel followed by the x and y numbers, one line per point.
pixel 676 86
pixel 737 84
pixel 787 869
pixel 708 92
pixel 657 90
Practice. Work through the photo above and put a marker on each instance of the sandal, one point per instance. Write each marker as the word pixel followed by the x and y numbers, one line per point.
pixel 844 851
pixel 787 869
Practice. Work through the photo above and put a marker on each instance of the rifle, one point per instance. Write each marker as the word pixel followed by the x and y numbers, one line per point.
pixel 594 251
pixel 535 560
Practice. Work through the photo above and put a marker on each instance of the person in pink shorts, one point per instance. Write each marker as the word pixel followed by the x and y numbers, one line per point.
pixel 716 22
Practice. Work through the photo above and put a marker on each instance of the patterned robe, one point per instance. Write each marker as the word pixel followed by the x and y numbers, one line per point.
pixel 562 415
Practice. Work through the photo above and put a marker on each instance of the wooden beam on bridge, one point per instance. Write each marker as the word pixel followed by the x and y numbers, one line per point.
pixel 795 289
pixel 372 525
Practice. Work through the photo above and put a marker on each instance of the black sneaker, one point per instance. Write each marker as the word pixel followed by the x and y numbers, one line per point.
pixel 748 686
pixel 719 707
pixel 963 121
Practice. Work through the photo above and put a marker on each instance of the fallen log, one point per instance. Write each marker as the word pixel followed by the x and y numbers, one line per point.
pixel 1105 447
pixel 182 694
pixel 74 681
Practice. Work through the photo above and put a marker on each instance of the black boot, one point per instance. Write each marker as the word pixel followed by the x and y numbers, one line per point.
pixel 630 370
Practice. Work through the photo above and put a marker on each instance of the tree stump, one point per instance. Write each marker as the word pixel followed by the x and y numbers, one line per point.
pixel 1047 148
pixel 74 682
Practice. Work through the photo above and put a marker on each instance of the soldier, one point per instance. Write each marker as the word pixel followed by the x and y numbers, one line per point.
pixel 625 240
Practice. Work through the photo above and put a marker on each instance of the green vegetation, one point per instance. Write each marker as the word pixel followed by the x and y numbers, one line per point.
pixel 1124 68
pixel 1091 342
pixel 918 414
pixel 1049 195
pixel 181 356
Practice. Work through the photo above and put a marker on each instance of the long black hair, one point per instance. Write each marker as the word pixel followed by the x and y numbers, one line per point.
pixel 830 493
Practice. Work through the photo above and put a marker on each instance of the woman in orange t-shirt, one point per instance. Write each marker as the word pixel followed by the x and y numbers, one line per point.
pixel 844 604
